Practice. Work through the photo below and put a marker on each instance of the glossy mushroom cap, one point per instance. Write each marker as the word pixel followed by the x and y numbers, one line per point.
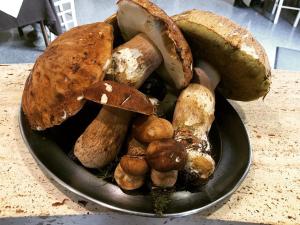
pixel 73 62
pixel 166 155
pixel 240 60
pixel 142 16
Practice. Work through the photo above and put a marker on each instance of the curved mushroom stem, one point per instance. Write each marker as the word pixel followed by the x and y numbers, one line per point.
pixel 131 64
pixel 210 78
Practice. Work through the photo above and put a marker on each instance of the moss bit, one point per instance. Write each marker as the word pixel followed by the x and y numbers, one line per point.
pixel 161 198
pixel 107 173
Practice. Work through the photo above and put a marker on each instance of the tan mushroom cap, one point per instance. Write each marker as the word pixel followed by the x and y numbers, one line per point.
pixel 142 16
pixel 240 60
pixel 73 62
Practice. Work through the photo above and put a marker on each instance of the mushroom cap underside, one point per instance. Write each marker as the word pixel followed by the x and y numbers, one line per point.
pixel 142 16
pixel 240 60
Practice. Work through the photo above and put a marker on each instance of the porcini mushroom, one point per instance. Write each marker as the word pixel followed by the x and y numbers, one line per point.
pixel 71 63
pixel 231 61
pixel 166 155
pixel 154 43
pixel 131 171
pixel 191 129
pixel 127 181
pixel 151 128
pixel 231 50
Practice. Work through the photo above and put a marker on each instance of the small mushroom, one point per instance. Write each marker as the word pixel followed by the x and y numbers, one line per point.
pixel 165 155
pixel 134 165
pixel 164 179
pixel 151 128
pixel 154 42
pixel 126 181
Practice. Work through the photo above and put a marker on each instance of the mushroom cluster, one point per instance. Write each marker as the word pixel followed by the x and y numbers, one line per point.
pixel 164 119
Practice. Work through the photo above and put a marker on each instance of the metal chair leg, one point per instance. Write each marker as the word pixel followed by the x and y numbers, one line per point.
pixel 274 7
pixel 21 33
pixel 44 33
pixel 278 11
pixel 297 19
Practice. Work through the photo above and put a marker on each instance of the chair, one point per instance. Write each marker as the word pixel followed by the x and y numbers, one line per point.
pixel 66 13
pixel 278 5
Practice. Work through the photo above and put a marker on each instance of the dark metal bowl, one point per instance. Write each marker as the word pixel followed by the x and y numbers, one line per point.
pixel 228 137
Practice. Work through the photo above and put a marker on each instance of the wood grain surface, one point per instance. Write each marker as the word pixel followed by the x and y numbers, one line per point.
pixel 270 193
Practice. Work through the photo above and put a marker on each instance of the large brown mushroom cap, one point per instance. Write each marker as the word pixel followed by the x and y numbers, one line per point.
pixel 142 16
pixel 240 60
pixel 73 62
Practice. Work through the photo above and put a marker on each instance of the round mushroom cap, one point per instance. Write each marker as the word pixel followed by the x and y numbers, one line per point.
pixel 240 60
pixel 166 155
pixel 142 16
pixel 73 62
pixel 126 181
pixel 134 165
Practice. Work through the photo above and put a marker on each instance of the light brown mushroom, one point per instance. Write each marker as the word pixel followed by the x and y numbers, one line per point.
pixel 73 62
pixel 132 168
pixel 231 50
pixel 134 165
pixel 151 128
pixel 192 127
pixel 233 62
pixel 154 42
pixel 126 181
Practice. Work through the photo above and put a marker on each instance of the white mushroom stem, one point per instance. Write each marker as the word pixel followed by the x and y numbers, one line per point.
pixel 191 129
pixel 132 63
pixel 210 75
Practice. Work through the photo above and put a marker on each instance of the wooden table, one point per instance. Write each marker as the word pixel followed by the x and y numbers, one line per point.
pixel 270 193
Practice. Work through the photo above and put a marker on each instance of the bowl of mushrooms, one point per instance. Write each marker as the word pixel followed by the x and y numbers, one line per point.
pixel 131 113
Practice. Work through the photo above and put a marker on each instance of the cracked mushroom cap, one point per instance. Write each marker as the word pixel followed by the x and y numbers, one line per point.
pixel 72 63
pixel 142 16
pixel 240 60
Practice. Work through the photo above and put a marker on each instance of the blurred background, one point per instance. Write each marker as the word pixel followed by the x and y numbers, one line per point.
pixel 27 26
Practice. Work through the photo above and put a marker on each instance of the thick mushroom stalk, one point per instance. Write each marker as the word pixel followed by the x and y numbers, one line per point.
pixel 192 126
pixel 132 63
pixel 160 46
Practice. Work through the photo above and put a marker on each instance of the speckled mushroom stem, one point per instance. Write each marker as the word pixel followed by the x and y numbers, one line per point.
pixel 131 64
pixel 192 126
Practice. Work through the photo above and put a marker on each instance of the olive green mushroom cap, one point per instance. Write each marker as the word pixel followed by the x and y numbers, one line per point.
pixel 239 59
